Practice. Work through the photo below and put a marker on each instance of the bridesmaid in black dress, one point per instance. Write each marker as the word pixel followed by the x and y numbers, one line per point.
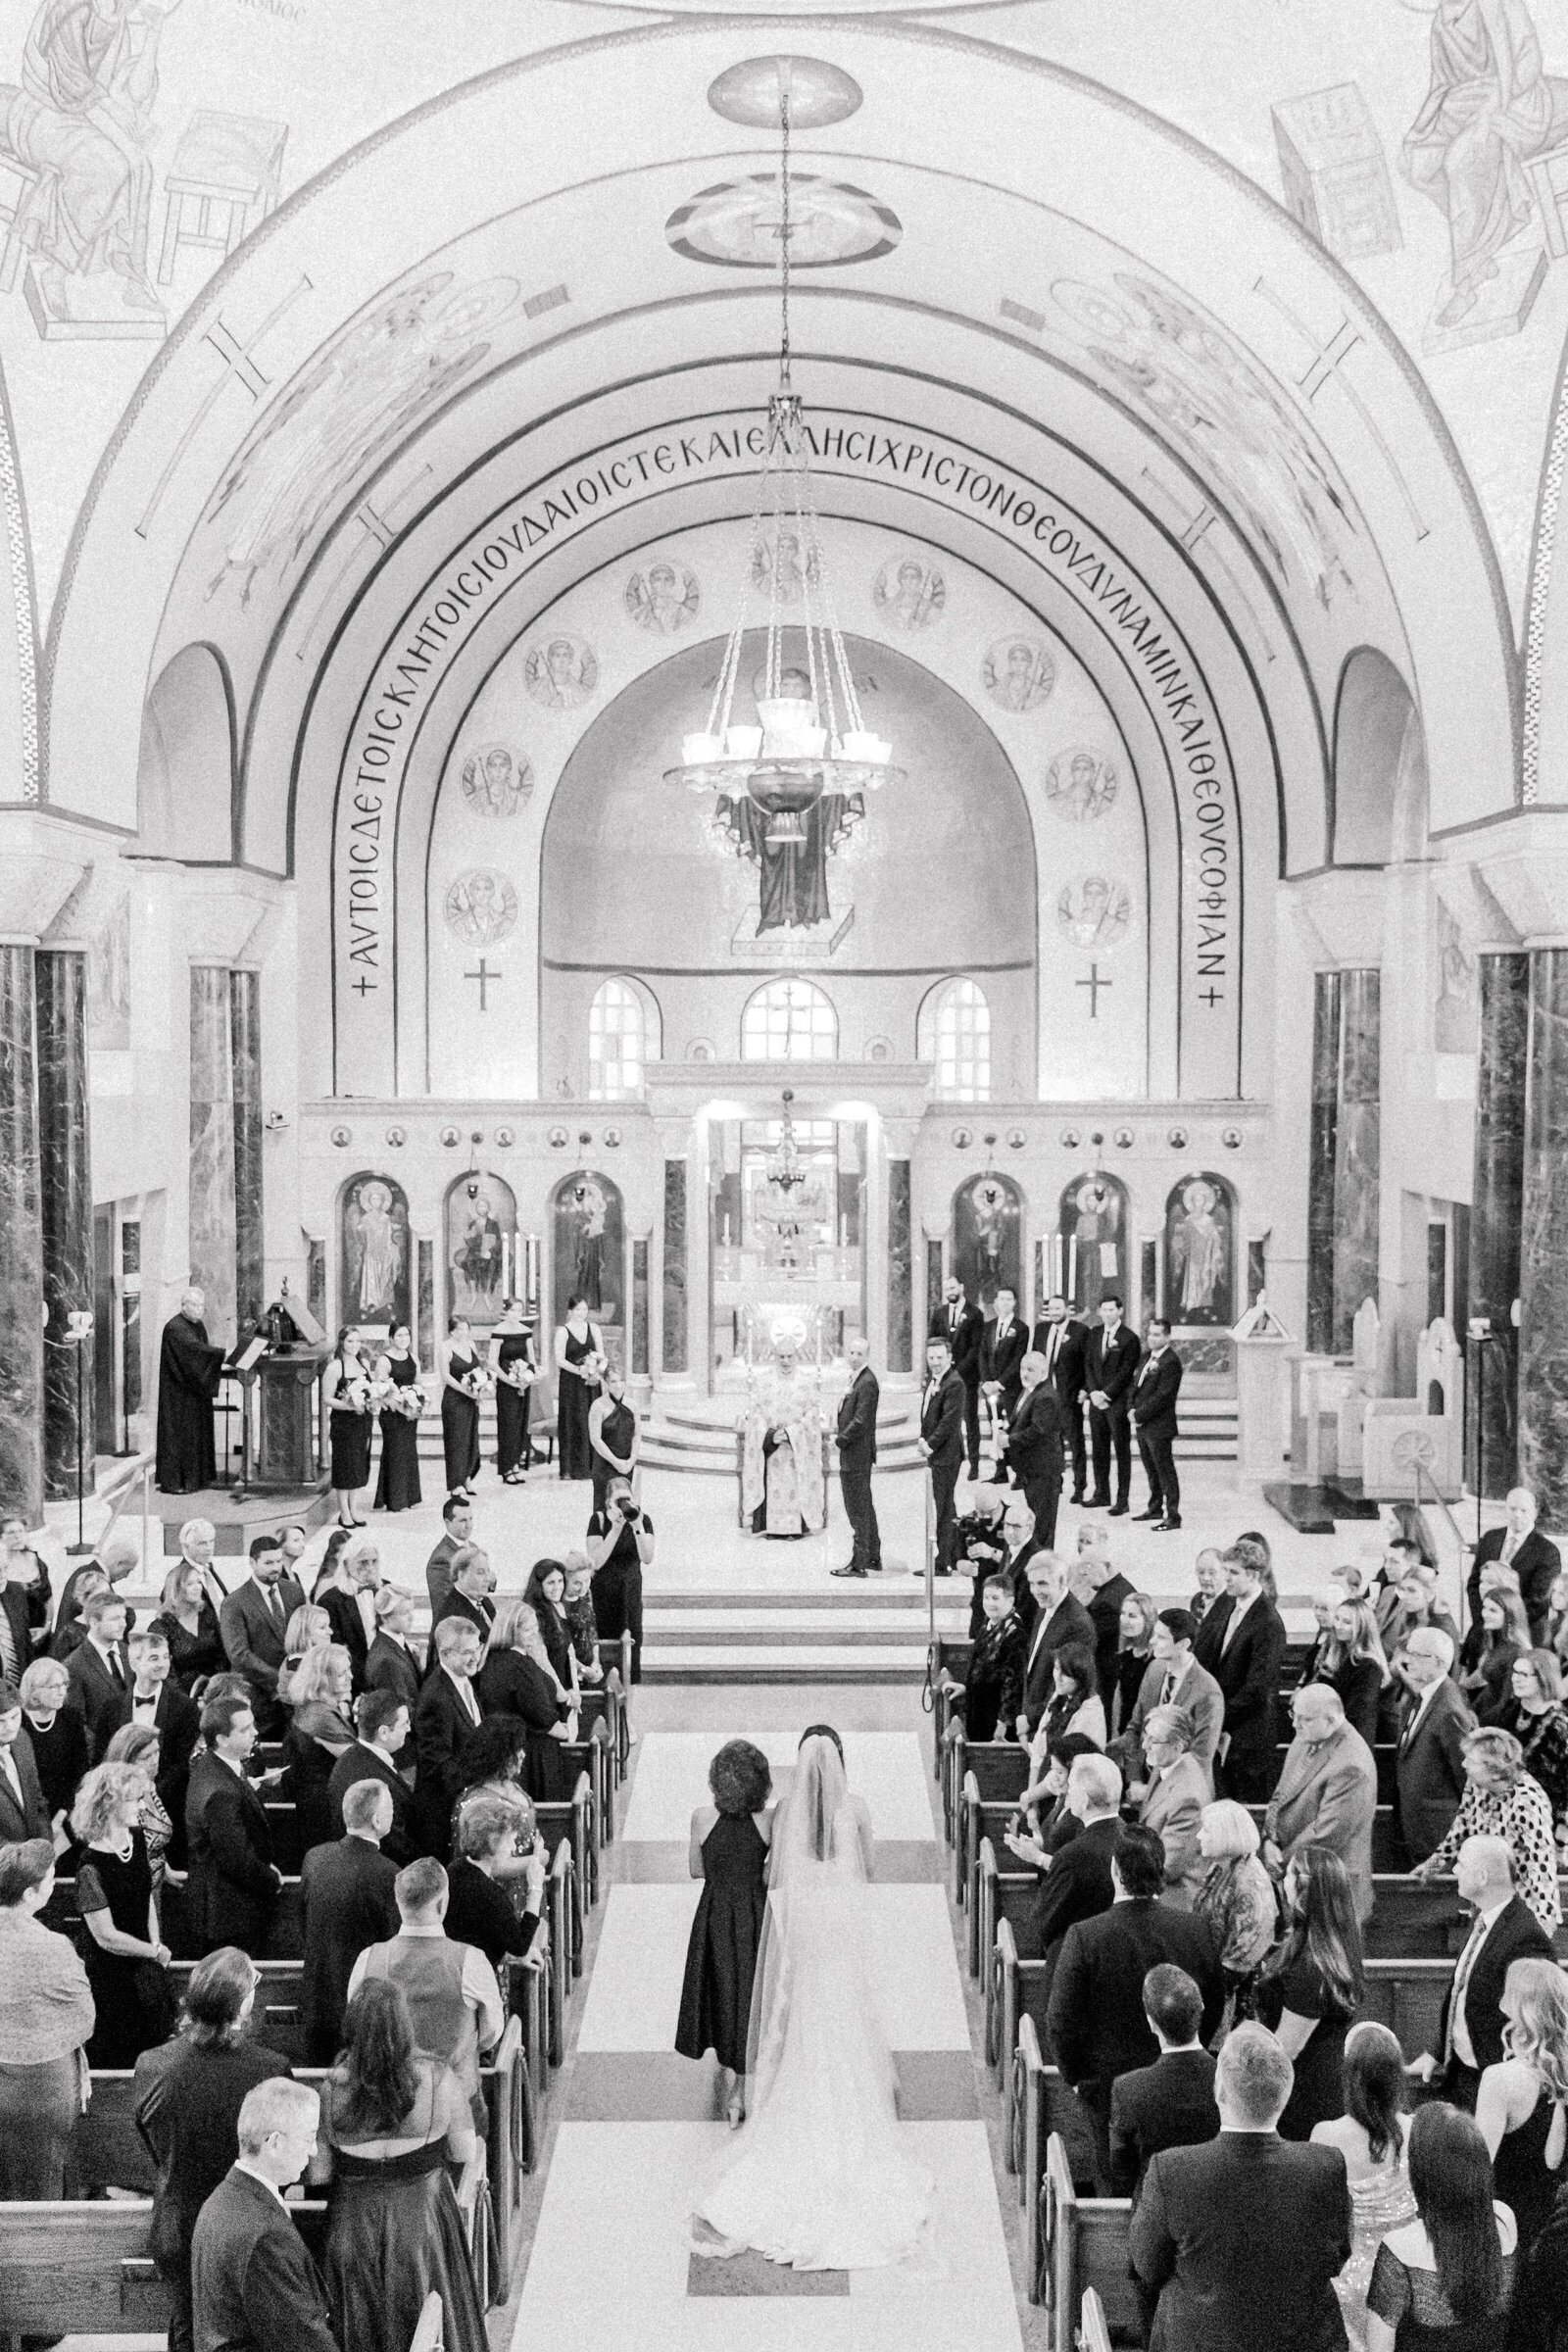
pixel 728 1852
pixel 513 1362
pixel 462 1376
pixel 397 1488
pixel 576 1387
pixel 346 1387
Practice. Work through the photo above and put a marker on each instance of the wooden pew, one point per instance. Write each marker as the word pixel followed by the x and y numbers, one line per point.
pixel 559 1911
pixel 982 1822
pixel 1084 2247
pixel 1004 1896
pixel 945 1660
pixel 1424 1918
pixel 1025 2147
pixel 615 1659
pixel 1000 1768
pixel 84 2269
pixel 1093 2333
pixel 572 1820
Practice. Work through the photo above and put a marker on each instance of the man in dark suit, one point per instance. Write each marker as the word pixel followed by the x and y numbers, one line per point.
pixel 1504 1929
pixel 447 1712
pixel 397 1659
pixel 24 1604
pixel 855 1438
pixel 253 2285
pixel 253 1622
pixel 1156 1383
pixel 1034 1448
pixel 1102 1589
pixel 941 1442
pixel 963 1327
pixel 1241 1642
pixel 234 1883
pixel 1242 2240
pixel 1428 1769
pixel 158 1702
pixel 1110 1362
pixel 24 1807
pixel 473 1583
pixel 1096 2021
pixel 98 1670
pixel 1061 1622
pixel 1077 1882
pixel 384 1722
pixel 352 1615
pixel 458 1519
pixel 1061 1339
pixel 1003 1349
pixel 347 1904
pixel 1521 1546
pixel 1171 2103
pixel 118 1555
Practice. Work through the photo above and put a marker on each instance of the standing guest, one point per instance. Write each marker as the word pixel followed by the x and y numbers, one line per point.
pixel 447 1712
pixel 1521 2101
pixel 729 1851
pixel 1310 1987
pixel 324 1678
pixel 1371 2135
pixel 99 1670
pixel 1520 1546
pixel 855 1435
pixel 397 1370
pixel 128 1959
pixel 1502 1800
pixel 517 1685
pixel 1050 1821
pixel 234 1886
pixel 46 2019
pixel 1487 1678
pixel 1102 1589
pixel 1061 1622
pixel 1061 1339
pixel 1034 1445
pixel 1135 1650
pixel 350 1603
pixel 57 1739
pixel 1419 1605
pixel 24 1598
pixel 981 1542
pixel 189 1367
pixel 1169 2105
pixel 1504 1929
pixel 1110 1365
pixel 450 1987
pixel 23 1808
pixel 1445 2278
pixel 66 1642
pixel 1237 1898
pixel 1435 1722
pixel 198 1543
pixel 253 1620
pixel 118 1556
pixel 579 1363
pixel 1075 1706
pixel 1327 1793
pixel 1209 1571
pixel 346 1394
pixel 186 2096
pixel 479 1910
pixel 1003 1343
pixel 1242 1645
pixel 321 1734
pixel 1353 1664
pixel 964 1327
pixel 940 1443
pixel 1235 2235
pixel 155 1702
pixel 1171 1802
pixel 346 1905
pixel 337 1543
pixel 473 1583
pixel 1095 2019
pixel 254 2288
pixel 393 2125
pixel 993 1686
pixel 457 1514
pixel 396 1660
pixel 382 1724
pixel 582 1620
pixel 1173 1678
pixel 1539 2318
pixel 1540 1724
pixel 546 1594
pixel 621 1545
pixel 138 1746
pixel 309 1629
pixel 1325 1601
pixel 1157 1384
pixel 461 1381
pixel 1077 1881
pixel 189 1621
pixel 494 1771
pixel 515 1364
pixel 611 1434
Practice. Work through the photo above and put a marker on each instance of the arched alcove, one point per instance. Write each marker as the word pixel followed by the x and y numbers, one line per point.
pixel 374 1274
pixel 588 1254
pixel 987 1249
pixel 186 769
pixel 1378 749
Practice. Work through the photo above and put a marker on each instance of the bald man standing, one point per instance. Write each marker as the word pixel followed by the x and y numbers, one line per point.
pixel 188 1366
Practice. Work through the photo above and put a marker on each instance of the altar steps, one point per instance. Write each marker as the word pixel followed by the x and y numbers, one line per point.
pixel 862 1634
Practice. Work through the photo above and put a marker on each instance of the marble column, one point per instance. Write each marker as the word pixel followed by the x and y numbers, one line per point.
pixel 675 1351
pixel 639 1306
pixel 212 1147
pixel 64 1200
pixel 1497 1201
pixel 245 1052
pixel 900 1269
pixel 1320 1165
pixel 1542 1255
pixel 20 1243
pixel 1356 1138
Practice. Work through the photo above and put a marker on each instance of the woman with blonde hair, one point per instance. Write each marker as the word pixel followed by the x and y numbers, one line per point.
pixel 319 1730
pixel 141 1746
pixel 128 1959
pixel 1502 1800
pixel 1522 2104
pixel 515 1680
pixel 1352 1664
pixel 308 1629
pixel 1236 1899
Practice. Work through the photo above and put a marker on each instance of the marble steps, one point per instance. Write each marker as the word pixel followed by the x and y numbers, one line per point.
pixel 856 1634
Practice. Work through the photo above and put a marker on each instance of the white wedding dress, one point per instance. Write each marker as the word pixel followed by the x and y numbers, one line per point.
pixel 817 2177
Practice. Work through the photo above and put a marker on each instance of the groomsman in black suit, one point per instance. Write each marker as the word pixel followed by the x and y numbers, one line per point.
pixel 1002 1351
pixel 1034 1448
pixel 1155 1388
pixel 964 1327
pixel 1110 1362
pixel 941 1442
pixel 1061 1339
pixel 855 1438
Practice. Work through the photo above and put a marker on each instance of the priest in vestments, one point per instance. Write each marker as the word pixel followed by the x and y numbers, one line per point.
pixel 782 1488
pixel 188 1366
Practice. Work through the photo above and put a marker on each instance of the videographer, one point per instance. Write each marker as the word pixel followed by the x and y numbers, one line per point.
pixel 621 1545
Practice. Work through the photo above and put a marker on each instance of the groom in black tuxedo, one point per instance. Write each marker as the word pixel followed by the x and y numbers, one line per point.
pixel 856 1439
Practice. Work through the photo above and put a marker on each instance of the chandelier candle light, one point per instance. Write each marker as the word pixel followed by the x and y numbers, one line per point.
pixel 813 739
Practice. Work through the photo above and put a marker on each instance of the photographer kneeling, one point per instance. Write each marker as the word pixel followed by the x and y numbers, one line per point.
pixel 621 1545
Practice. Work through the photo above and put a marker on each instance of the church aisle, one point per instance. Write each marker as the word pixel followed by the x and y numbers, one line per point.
pixel 641 2127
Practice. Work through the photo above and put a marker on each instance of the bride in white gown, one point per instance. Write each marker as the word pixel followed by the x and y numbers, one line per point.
pixel 817 2177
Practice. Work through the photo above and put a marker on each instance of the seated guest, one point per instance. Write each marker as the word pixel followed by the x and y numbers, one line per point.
pixel 46 2019
pixel 1310 1985
pixel 1172 1678
pixel 1354 1665
pixel 1434 1721
pixel 1502 1800
pixel 350 1603
pixel 1172 1800
pixel 381 1735
pixel 516 1681
pixel 1487 1678
pixel 1237 1898
pixel 1241 2239
pixel 396 1660
pixel 1135 1649
pixel 1371 2135
pixel 254 2288
pixel 1539 1720
pixel 473 1583
pixel 138 1746
pixel 1096 2022
pixel 448 1711
pixel 99 1670
pixel 393 2125
pixel 253 1620
pixel 128 1959
pixel 1327 1792
pixel 185 2097
pixel 233 1884
pixel 1077 1881
pixel 189 1620
pixel 309 1629
pixel 450 1987
pixel 1448 2276
pixel 1242 1644
pixel 24 1807
pixel 1504 1929
pixel 319 1734
pixel 116 1558
pixel 581 1620
pixel 993 1686
pixel 1169 2105
pixel 346 1905
pixel 480 1911
pixel 1060 1620
pixel 1520 2105
pixel 57 1739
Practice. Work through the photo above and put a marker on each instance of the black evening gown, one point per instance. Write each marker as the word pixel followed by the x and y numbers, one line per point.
pixel 1519 2176
pixel 715 2001
pixel 618 1587
pixel 394 2236
pixel 192 1657
pixel 573 1399
pixel 1318 2093
pixel 511 1684
pixel 61 1756
pixel 459 1427
pixel 133 1998
pixel 511 1404
pixel 617 1430
pixel 397 1488
pixel 350 1434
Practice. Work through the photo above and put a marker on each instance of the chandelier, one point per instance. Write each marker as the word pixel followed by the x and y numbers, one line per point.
pixel 785 1167
pixel 812 742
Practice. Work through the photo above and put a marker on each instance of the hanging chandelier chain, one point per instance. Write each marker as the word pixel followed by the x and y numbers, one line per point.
pixel 784 232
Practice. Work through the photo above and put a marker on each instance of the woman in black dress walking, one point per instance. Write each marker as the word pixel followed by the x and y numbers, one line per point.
pixel 515 1366
pixel 346 1387
pixel 461 1379
pixel 127 1957
pixel 728 1852
pixel 397 1488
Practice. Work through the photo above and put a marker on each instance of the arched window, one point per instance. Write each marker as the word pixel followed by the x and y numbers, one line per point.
pixel 616 1042
pixel 789 1020
pixel 953 1031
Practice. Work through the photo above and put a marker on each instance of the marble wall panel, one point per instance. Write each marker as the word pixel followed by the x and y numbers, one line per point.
pixel 20 1243
pixel 212 1147
pixel 1324 1129
pixel 1544 1234
pixel 1496 1210
pixel 64 1201
pixel 245 1049
pixel 1356 1152
pixel 675 1356
pixel 900 1269
pixel 639 1306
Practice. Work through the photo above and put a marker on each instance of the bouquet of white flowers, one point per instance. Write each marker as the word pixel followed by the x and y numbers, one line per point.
pixel 356 1393
pixel 407 1402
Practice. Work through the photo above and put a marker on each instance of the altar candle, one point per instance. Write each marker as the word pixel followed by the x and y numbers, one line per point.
pixel 844 1231
pixel 1055 1264
pixel 1072 1270
pixel 506 1265
pixel 726 1229
pixel 530 1253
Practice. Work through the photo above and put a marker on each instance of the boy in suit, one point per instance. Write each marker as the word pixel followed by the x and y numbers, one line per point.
pixel 1155 1388
pixel 1110 1362
pixel 1002 1352
pixel 941 1442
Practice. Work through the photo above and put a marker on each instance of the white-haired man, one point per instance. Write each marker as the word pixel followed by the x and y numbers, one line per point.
pixel 1077 1882
pixel 1429 1771
pixel 1327 1792
pixel 253 2285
